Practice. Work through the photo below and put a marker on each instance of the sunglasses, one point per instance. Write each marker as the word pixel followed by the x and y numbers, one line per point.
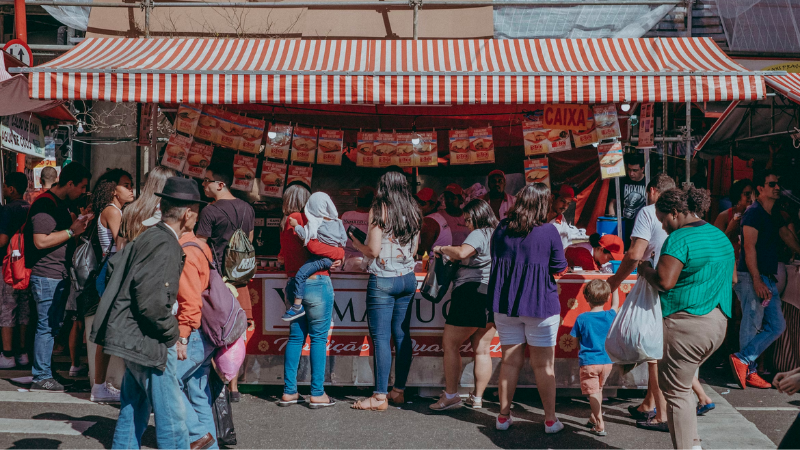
pixel 772 184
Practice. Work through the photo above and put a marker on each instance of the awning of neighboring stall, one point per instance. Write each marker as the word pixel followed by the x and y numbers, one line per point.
pixel 14 92
pixel 372 72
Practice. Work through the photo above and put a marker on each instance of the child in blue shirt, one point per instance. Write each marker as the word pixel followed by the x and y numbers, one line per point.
pixel 591 329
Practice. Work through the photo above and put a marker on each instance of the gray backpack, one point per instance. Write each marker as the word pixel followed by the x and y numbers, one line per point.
pixel 239 265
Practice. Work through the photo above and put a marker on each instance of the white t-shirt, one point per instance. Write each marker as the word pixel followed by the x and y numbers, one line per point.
pixel 477 268
pixel 648 227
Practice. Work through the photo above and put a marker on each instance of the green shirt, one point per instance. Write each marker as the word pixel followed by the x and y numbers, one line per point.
pixel 707 275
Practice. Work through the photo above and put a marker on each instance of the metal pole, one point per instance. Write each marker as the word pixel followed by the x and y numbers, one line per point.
pixel 2 173
pixel 619 208
pixel 688 148
pixel 416 4
pixel 146 4
pixel 689 5
pixel 393 4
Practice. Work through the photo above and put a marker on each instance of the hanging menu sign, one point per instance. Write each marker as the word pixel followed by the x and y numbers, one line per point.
pixel 272 178
pixel 459 147
pixel 586 136
pixel 252 135
pixel 330 147
pixel 481 145
pixel 279 137
pixel 176 152
pixel 304 145
pixel 385 150
pixel 405 150
pixel 244 172
pixel 187 117
pixel 365 148
pixel 537 171
pixel 606 122
pixel 612 162
pixel 646 127
pixel 426 150
pixel 208 124
pixel 230 135
pixel 198 160
pixel 299 174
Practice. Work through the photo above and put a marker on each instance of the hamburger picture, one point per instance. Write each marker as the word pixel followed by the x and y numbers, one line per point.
pixel 207 122
pixel 197 160
pixel 459 146
pixel 329 146
pixel 231 129
pixel 426 148
pixel 481 144
pixel 175 151
pixel 385 149
pixel 610 160
pixel 243 173
pixel 405 149
pixel 557 135
pixel 366 148
pixel 252 134
pixel 271 179
pixel 537 176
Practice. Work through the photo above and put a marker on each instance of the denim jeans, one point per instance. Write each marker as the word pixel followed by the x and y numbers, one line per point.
pixel 146 389
pixel 318 303
pixel 761 326
pixel 193 381
pixel 313 265
pixel 389 315
pixel 48 293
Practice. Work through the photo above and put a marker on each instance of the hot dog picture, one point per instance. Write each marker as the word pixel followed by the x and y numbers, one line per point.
pixel 537 176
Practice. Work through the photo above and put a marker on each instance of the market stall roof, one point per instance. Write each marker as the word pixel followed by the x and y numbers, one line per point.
pixel 788 85
pixel 14 89
pixel 387 72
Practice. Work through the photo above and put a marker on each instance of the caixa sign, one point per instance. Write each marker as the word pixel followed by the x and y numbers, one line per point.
pixel 22 133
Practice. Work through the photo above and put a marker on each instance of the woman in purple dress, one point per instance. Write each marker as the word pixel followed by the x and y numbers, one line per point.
pixel 526 254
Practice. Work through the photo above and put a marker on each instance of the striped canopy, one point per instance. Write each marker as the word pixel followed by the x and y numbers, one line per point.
pixel 788 85
pixel 421 73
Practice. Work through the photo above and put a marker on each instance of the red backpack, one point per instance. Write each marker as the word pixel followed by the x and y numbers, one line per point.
pixel 15 273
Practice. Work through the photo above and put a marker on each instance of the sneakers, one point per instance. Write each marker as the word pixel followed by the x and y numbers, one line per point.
pixel 75 371
pixel 104 393
pixel 754 380
pixel 474 402
pixel 554 427
pixel 502 423
pixel 739 369
pixel 7 362
pixel 48 385
pixel 22 359
pixel 446 403
pixel 293 313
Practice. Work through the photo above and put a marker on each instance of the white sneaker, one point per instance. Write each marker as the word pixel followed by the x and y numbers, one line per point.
pixel 104 393
pixel 7 362
pixel 22 359
pixel 503 426
pixel 555 428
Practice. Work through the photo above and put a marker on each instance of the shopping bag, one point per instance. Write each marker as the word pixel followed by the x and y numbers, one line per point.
pixel 441 272
pixel 637 333
pixel 221 409
pixel 228 360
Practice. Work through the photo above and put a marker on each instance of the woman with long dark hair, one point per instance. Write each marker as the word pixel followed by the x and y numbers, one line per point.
pixel 392 238
pixel 526 254
pixel 143 212
pixel 468 316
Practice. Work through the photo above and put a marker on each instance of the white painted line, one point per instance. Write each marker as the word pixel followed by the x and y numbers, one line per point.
pixel 31 426
pixel 725 427
pixel 45 397
pixel 767 408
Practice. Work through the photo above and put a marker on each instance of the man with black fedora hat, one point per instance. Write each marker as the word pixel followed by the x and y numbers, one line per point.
pixel 139 323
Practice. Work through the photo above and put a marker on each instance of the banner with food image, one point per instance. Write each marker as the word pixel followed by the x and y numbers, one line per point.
pixel 405 150
pixel 459 147
pixel 646 127
pixel 176 151
pixel 535 137
pixel 304 144
pixel 606 122
pixel 365 148
pixel 300 174
pixel 279 137
pixel 187 118
pixel 426 152
pixel 273 176
pixel 481 145
pixel 252 134
pixel 537 170
pixel 385 150
pixel 231 130
pixel 612 162
pixel 198 160
pixel 208 124
pixel 244 172
pixel 330 147
pixel 587 136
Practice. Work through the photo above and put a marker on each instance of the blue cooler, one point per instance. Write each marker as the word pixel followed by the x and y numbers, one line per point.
pixel 606 225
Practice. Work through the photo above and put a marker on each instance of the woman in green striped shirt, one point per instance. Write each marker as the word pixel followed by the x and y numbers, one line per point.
pixel 694 275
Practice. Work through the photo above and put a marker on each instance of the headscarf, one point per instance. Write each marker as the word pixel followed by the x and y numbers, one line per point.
pixel 318 207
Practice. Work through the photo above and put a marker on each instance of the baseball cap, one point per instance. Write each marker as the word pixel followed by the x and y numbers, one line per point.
pixel 454 189
pixel 425 195
pixel 497 172
pixel 567 192
pixel 613 244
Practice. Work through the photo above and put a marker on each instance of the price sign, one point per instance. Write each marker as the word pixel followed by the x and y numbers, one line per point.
pixel 20 50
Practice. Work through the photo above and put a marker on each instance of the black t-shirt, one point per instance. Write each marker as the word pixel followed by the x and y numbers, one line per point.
pixel 219 220
pixel 12 217
pixel 47 217
pixel 634 196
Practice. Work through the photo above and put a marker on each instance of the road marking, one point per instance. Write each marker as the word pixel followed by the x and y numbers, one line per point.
pixel 31 426
pixel 768 408
pixel 725 427
pixel 45 397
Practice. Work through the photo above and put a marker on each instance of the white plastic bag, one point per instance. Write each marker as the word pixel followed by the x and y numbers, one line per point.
pixel 637 334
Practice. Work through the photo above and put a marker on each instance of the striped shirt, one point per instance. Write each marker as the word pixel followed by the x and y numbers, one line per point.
pixel 707 274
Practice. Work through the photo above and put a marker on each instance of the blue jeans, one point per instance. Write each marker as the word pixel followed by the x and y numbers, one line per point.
pixel 761 326
pixel 146 389
pixel 389 315
pixel 313 265
pixel 318 303
pixel 50 304
pixel 193 382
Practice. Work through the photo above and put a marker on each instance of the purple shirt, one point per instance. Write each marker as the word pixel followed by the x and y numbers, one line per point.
pixel 522 282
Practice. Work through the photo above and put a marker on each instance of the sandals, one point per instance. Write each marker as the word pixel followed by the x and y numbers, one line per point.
pixel 396 397
pixel 371 404
pixel 597 432
pixel 318 405
pixel 296 401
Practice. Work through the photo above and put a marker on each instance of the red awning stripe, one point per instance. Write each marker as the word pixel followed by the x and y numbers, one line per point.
pixel 788 85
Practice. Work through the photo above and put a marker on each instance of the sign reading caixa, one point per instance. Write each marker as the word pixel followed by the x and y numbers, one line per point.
pixel 567 117
pixel 22 133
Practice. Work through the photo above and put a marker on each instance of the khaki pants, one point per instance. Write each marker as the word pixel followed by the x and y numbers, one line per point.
pixel 116 366
pixel 688 341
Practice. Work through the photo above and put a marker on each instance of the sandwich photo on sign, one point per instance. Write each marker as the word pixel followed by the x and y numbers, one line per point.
pixel 208 124
pixel 176 152
pixel 426 152
pixel 244 172
pixel 252 135
pixel 330 147
pixel 198 160
pixel 535 137
pixel 481 144
pixel 187 117
pixel 365 148
pixel 405 150
pixel 612 162
pixel 537 171
pixel 304 145
pixel 385 150
pixel 300 174
pixel 606 122
pixel 279 136
pixel 272 177
pixel 459 147
pixel 587 136
pixel 231 131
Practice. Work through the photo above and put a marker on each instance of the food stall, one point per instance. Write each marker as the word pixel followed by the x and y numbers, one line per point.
pixel 332 113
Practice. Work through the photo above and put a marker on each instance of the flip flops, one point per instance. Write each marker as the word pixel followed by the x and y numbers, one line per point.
pixel 597 432
pixel 318 405
pixel 296 401
pixel 703 409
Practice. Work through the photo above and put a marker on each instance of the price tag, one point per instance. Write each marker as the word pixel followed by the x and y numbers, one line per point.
pixel 612 170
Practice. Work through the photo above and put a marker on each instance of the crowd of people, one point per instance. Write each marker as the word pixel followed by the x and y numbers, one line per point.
pixel 153 355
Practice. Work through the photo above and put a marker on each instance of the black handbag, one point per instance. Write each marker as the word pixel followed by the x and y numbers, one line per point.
pixel 221 409
pixel 441 273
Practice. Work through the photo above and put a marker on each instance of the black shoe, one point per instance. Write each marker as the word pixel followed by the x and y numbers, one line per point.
pixel 649 424
pixel 235 396
pixel 639 415
pixel 48 385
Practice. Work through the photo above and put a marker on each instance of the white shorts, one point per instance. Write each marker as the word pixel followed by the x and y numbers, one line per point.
pixel 519 330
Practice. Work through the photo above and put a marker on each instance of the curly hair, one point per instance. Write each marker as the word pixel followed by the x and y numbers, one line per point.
pixel 102 195
pixel 530 209
pixel 695 201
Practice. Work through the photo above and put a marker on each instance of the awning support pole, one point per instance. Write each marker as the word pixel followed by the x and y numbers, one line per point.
pixel 688 147
pixel 416 5
pixel 147 5
pixel 619 208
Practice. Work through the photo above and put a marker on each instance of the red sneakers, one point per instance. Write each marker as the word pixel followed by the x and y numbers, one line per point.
pixel 739 371
pixel 753 380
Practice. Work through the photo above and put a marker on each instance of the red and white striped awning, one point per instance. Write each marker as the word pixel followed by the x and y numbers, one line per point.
pixel 788 85
pixel 428 72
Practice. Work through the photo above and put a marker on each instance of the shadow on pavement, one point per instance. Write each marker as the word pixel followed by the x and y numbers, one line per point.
pixel 36 443
pixel 102 431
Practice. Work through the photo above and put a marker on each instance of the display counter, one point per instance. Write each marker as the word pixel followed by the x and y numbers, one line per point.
pixel 350 348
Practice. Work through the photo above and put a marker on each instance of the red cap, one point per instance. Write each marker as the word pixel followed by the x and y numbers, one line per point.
pixel 425 194
pixel 567 192
pixel 497 172
pixel 613 244
pixel 454 189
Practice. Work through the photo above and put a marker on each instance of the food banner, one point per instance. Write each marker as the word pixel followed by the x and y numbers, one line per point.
pixel 606 122
pixel 587 136
pixel 231 130
pixel 244 172
pixel 405 150
pixel 198 160
pixel 541 141
pixel 537 170
pixel 279 137
pixel 425 150
pixel 209 123
pixel 566 117
pixel 252 135
pixel 385 150
pixel 187 118
pixel 330 147
pixel 272 177
pixel 646 126
pixel 176 152
pixel 365 149
pixel 304 145
pixel 612 163
pixel 459 147
pixel 481 145
pixel 301 174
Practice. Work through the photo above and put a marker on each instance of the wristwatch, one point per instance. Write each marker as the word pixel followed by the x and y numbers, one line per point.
pixel 184 341
pixel 70 233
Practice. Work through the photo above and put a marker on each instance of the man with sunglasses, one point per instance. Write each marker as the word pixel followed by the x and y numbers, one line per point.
pixel 762 317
